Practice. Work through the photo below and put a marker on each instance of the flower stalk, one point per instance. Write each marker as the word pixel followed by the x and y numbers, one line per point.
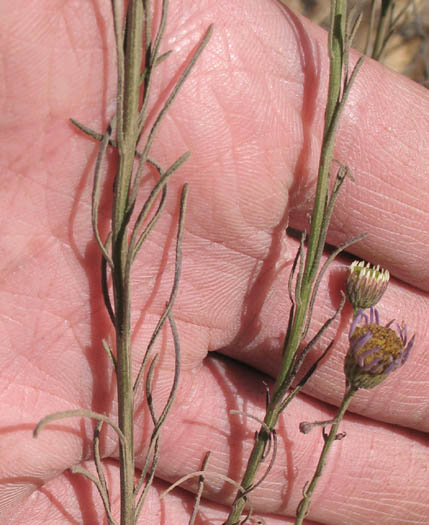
pixel 374 352
pixel 304 505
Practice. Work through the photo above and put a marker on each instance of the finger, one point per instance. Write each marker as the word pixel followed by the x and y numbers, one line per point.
pixel 384 146
pixel 365 471
pixel 202 421
pixel 397 400
pixel 72 498
pixel 369 464
pixel 262 322
pixel 264 133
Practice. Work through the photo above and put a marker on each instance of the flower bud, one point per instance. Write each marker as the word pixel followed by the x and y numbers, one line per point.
pixel 365 285
pixel 375 350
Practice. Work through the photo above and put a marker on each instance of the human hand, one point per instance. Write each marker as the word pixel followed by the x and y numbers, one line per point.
pixel 252 115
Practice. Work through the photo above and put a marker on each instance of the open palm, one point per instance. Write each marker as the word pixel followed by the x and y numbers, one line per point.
pixel 252 115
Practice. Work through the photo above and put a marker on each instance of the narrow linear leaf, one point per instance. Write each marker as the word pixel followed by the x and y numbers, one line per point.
pixel 200 490
pixel 166 107
pixel 77 413
pixel 175 287
pixel 77 469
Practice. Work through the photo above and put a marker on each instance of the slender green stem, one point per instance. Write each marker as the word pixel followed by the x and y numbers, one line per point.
pixel 135 49
pixel 336 47
pixel 304 505
pixel 128 109
pixel 319 227
pixel 316 239
pixel 125 400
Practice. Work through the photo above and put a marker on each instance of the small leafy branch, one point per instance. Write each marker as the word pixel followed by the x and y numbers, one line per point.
pixel 307 270
pixel 130 227
pixel 388 22
pixel 375 351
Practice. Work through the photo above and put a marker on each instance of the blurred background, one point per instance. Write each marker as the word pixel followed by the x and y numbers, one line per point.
pixel 407 50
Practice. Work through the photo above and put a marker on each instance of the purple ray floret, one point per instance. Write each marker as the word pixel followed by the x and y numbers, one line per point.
pixel 375 350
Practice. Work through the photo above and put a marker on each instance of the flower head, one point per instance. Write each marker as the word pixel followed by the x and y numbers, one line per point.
pixel 375 350
pixel 365 285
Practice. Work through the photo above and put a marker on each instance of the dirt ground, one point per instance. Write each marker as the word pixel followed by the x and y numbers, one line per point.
pixel 408 49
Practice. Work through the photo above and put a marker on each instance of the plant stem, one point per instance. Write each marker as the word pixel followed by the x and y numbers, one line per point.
pixel 304 505
pixel 136 59
pixel 125 402
pixel 336 46
pixel 314 251
pixel 128 109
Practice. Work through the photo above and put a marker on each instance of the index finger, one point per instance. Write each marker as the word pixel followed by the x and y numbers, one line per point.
pixel 383 138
